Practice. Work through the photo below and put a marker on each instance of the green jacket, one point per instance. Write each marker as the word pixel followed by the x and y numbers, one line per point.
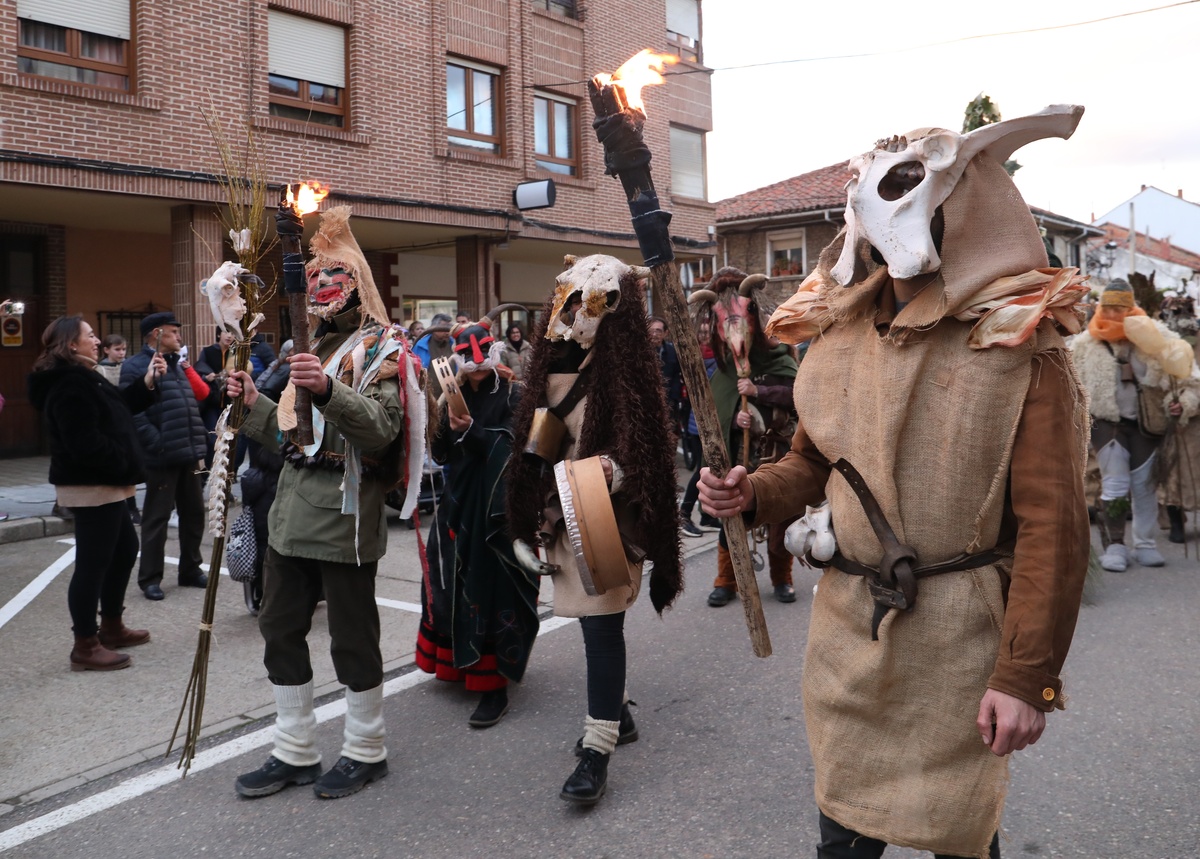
pixel 306 520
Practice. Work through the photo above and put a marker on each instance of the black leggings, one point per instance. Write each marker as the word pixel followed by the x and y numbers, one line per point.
pixel 604 649
pixel 692 493
pixel 838 842
pixel 106 545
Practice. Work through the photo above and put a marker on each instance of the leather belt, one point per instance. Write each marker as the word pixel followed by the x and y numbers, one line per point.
pixel 894 583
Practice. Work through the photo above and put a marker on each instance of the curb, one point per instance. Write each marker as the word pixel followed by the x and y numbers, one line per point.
pixel 33 528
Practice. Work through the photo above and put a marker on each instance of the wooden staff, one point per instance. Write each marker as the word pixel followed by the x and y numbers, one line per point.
pixel 293 284
pixel 628 159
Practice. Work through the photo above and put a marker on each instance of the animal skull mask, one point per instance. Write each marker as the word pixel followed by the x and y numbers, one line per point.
pixel 897 187
pixel 589 289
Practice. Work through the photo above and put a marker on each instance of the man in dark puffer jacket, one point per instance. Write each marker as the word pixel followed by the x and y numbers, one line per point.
pixel 172 436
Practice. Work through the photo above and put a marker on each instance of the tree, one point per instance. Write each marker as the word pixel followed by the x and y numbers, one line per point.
pixel 982 111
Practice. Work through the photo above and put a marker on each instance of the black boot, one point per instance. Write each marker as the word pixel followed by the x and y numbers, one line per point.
pixel 627 731
pixel 492 707
pixel 1175 517
pixel 348 776
pixel 274 776
pixel 587 784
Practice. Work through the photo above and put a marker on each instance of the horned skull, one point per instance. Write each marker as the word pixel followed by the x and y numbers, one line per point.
pixel 897 187
pixel 589 289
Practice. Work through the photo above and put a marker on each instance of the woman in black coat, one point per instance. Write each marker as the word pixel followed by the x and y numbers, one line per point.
pixel 95 463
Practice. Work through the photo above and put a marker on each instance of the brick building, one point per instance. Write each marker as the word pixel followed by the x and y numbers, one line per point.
pixel 424 115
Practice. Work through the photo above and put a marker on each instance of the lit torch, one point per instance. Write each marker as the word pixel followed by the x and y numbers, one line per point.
pixel 290 226
pixel 620 115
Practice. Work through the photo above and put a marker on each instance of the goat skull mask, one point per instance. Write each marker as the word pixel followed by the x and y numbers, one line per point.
pixel 587 291
pixel 885 208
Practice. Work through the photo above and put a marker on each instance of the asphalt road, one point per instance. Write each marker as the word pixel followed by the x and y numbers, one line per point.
pixel 721 769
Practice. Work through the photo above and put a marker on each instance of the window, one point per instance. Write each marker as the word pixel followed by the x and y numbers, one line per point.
pixel 683 29
pixel 565 7
pixel 554 133
pixel 687 163
pixel 85 43
pixel 306 65
pixel 472 118
pixel 786 254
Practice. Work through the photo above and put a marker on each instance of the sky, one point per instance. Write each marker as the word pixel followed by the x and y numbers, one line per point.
pixel 1136 76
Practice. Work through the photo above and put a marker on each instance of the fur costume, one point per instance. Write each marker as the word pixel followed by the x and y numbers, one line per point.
pixel 620 406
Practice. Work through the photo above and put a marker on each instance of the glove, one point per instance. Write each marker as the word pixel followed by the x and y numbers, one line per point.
pixel 288 222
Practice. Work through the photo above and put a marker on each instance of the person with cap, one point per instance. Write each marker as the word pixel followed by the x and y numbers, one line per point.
pixel 327 527
pixel 172 434
pixel 1129 398
pixel 479 606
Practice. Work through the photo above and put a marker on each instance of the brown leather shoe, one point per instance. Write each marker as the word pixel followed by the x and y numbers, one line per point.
pixel 114 633
pixel 90 655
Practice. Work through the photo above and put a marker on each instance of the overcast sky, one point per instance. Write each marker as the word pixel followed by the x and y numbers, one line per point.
pixel 1137 77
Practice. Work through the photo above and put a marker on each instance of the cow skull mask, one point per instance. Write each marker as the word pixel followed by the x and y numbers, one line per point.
pixel 587 291
pixel 897 187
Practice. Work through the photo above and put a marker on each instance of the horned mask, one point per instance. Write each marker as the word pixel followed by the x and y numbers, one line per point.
pixel 897 187
pixel 589 289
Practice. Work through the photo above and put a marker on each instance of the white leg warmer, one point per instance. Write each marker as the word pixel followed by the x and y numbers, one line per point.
pixel 362 739
pixel 1145 505
pixel 1113 460
pixel 600 735
pixel 295 726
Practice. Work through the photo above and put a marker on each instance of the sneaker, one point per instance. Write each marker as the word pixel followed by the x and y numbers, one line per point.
pixel 274 776
pixel 1149 557
pixel 721 596
pixel 348 776
pixel 1115 558
pixel 627 731
pixel 709 523
pixel 689 529
pixel 589 781
pixel 785 593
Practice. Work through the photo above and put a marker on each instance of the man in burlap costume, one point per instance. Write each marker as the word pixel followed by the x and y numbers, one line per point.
pixel 940 418
pixel 1117 374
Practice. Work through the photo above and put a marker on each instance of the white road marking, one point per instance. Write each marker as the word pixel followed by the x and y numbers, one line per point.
pixel 164 775
pixel 39 584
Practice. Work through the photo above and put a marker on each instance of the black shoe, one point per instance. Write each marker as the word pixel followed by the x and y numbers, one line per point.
pixel 153 592
pixel 589 781
pixel 785 593
pixel 627 731
pixel 492 707
pixel 690 530
pixel 274 776
pixel 1175 517
pixel 348 776
pixel 200 580
pixel 720 597
pixel 709 523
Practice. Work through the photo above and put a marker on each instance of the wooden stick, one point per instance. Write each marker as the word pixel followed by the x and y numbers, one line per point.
pixel 668 298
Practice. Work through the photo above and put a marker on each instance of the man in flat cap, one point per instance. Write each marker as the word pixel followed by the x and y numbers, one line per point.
pixel 172 435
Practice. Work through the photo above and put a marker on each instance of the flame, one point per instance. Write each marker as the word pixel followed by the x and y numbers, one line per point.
pixel 309 196
pixel 642 69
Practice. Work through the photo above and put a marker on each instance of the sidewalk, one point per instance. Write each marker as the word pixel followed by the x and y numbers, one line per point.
pixel 26 501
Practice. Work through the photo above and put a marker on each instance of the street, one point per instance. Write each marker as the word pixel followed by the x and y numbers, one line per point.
pixel 721 768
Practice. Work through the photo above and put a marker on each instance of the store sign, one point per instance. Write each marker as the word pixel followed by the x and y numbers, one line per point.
pixel 11 331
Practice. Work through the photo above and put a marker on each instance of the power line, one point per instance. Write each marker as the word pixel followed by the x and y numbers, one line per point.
pixel 900 50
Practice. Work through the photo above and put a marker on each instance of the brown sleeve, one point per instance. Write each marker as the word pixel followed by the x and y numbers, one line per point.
pixel 782 489
pixel 1053 537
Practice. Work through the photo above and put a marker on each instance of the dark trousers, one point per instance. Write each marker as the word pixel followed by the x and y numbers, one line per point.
pixel 604 650
pixel 106 545
pixel 838 842
pixel 174 488
pixel 691 493
pixel 291 589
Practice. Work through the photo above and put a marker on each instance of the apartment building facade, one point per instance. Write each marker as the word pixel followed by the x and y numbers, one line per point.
pixel 423 115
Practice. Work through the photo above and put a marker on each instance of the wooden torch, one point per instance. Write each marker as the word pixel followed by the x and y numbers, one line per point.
pixel 620 116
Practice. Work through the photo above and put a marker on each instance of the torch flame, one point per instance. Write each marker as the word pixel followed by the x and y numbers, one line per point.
pixel 642 69
pixel 309 196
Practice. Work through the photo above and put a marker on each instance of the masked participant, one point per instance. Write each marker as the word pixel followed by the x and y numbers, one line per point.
pixel 592 442
pixel 941 420
pixel 479 606
pixel 327 527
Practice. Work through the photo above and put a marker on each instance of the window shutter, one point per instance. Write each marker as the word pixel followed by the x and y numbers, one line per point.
pixel 305 49
pixel 687 163
pixel 105 17
pixel 683 17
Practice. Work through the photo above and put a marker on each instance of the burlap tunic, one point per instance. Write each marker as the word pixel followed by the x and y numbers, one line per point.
pixel 931 426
